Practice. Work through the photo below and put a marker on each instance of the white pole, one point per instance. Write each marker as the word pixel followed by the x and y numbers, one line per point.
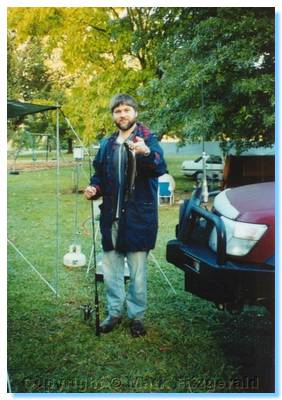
pixel 57 199
pixel 76 135
pixel 164 275
pixel 9 383
pixel 32 267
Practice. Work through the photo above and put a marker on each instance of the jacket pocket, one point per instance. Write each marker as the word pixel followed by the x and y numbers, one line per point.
pixel 142 213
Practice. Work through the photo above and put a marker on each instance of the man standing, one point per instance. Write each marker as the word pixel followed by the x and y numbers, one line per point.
pixel 127 167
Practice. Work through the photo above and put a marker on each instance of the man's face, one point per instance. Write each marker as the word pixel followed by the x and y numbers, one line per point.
pixel 124 117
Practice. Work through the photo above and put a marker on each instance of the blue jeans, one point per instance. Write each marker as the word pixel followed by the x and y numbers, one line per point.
pixel 113 268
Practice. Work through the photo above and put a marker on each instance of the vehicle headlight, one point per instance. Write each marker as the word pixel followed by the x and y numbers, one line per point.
pixel 240 236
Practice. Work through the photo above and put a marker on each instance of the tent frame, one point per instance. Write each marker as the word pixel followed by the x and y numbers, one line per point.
pixel 37 109
pixel 17 109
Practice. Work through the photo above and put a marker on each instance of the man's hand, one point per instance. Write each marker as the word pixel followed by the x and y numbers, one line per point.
pixel 139 146
pixel 90 192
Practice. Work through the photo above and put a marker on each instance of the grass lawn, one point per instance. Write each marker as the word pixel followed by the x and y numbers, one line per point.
pixel 191 347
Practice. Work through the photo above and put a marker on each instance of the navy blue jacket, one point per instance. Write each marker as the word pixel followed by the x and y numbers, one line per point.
pixel 138 223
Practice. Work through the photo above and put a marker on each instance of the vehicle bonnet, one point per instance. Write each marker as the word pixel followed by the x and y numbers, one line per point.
pixel 249 203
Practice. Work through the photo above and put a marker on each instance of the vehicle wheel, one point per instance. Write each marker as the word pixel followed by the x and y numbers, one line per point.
pixel 198 176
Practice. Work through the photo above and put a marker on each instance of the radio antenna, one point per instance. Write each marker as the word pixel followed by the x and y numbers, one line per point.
pixel 205 191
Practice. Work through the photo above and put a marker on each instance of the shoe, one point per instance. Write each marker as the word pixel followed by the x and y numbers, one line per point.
pixel 137 328
pixel 109 324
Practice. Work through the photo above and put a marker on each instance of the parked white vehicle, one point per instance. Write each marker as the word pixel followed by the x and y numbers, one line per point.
pixel 194 168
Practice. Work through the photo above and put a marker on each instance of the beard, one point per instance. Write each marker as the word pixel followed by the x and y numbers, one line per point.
pixel 125 126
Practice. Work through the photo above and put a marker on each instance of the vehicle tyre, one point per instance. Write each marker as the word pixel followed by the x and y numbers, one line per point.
pixel 198 176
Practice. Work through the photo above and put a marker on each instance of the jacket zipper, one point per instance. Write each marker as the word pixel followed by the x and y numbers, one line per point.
pixel 119 179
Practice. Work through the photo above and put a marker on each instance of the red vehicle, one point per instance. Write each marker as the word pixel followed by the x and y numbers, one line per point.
pixel 227 254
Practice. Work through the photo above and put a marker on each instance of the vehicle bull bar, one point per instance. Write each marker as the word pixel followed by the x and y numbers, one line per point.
pixel 190 213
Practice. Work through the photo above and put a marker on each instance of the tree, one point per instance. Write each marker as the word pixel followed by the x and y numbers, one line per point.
pixel 217 76
pixel 195 71
pixel 30 79
pixel 90 57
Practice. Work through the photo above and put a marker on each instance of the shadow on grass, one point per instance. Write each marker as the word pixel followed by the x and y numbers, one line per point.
pixel 248 341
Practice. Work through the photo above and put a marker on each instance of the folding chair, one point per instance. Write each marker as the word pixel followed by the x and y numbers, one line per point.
pixel 165 192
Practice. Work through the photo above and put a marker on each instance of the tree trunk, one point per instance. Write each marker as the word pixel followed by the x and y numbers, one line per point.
pixel 70 150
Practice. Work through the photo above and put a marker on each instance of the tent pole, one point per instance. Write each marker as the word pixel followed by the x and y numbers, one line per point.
pixel 160 269
pixel 57 197
pixel 33 267
pixel 9 383
pixel 75 134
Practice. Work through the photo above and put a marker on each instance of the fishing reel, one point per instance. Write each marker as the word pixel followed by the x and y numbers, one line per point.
pixel 87 312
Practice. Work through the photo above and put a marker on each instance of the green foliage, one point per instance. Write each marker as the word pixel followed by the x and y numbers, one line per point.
pixel 29 79
pixel 195 71
pixel 217 76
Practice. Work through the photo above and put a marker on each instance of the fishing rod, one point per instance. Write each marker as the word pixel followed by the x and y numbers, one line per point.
pixel 96 296
pixel 87 309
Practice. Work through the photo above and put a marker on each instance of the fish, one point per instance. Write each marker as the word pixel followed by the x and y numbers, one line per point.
pixel 130 171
